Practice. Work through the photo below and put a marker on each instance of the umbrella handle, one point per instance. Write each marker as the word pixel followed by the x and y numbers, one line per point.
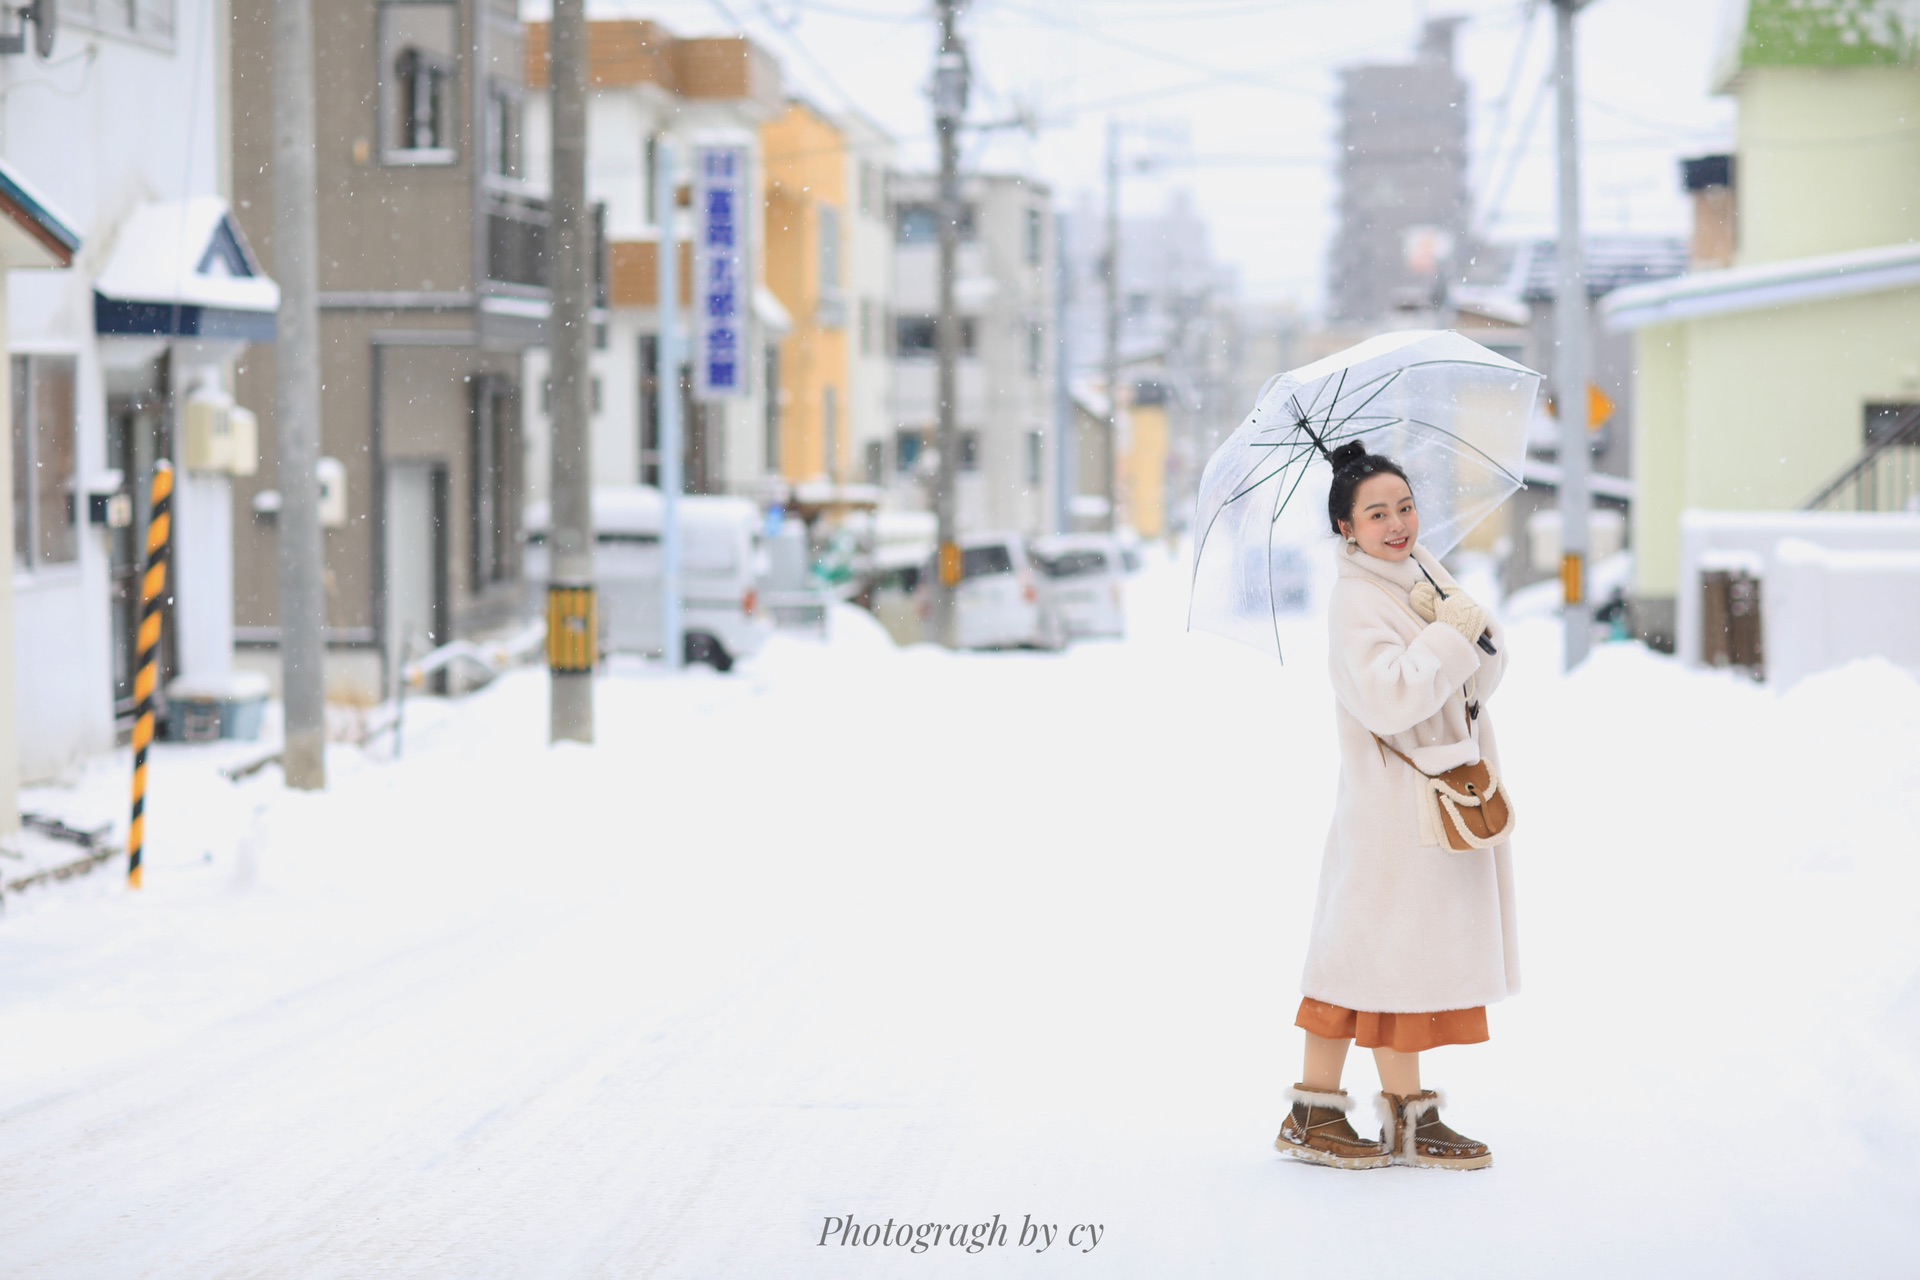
pixel 1485 642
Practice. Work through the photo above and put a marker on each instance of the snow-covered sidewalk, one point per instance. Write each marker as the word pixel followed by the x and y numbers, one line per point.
pixel 881 934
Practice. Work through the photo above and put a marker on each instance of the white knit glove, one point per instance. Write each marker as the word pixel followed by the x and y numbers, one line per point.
pixel 1424 600
pixel 1463 614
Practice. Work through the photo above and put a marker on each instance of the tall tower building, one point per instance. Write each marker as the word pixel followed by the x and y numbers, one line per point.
pixel 1403 181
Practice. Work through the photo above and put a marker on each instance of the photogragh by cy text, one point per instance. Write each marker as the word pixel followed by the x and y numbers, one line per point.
pixel 970 1237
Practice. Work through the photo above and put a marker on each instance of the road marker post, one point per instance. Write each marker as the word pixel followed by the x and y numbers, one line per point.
pixel 153 591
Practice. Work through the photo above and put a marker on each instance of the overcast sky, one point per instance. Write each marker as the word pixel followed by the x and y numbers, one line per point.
pixel 1236 98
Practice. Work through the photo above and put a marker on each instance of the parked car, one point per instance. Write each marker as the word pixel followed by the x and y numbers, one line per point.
pixel 1085 577
pixel 722 565
pixel 1000 602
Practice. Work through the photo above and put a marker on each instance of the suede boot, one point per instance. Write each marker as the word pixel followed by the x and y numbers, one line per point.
pixel 1316 1130
pixel 1412 1128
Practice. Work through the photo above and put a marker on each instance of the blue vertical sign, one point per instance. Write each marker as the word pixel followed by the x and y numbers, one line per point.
pixel 722 284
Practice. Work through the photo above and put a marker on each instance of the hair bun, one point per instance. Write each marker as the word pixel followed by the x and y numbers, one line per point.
pixel 1347 454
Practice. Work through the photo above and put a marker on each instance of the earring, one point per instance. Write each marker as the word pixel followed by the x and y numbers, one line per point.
pixel 1353 545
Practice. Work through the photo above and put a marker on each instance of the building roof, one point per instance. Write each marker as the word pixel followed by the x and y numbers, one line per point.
pixel 183 268
pixel 32 234
pixel 626 53
pixel 1769 285
pixel 1817 33
pixel 1612 262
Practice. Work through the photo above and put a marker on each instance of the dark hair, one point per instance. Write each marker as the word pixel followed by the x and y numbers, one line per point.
pixel 1352 466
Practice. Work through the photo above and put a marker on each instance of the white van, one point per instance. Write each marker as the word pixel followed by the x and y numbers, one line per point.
pixel 999 604
pixel 1086 580
pixel 721 568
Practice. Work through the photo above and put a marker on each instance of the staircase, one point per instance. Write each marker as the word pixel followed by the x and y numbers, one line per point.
pixel 1885 477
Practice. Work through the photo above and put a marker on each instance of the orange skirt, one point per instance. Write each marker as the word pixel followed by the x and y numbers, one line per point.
pixel 1401 1032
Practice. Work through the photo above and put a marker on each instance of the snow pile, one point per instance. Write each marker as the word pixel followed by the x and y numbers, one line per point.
pixel 860 931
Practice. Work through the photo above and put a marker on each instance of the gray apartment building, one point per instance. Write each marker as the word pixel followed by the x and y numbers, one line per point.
pixel 1004 290
pixel 1403 208
pixel 433 284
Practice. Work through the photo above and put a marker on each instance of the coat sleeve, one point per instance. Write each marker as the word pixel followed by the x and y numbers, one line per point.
pixel 1386 683
pixel 1493 666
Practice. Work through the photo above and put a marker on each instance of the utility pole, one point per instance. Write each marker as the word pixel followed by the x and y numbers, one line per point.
pixel 303 602
pixel 1064 435
pixel 572 615
pixel 950 77
pixel 666 354
pixel 1571 360
pixel 1113 321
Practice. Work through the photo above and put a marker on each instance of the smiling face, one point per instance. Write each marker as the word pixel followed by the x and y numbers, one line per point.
pixel 1384 520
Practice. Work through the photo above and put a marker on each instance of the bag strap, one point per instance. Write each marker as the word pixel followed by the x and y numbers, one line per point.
pixel 1386 746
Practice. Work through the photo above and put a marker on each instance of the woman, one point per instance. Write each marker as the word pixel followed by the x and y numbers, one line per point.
pixel 1411 939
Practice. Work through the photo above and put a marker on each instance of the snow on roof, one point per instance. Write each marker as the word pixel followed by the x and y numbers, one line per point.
pixel 36 221
pixel 1612 262
pixel 1772 284
pixel 186 252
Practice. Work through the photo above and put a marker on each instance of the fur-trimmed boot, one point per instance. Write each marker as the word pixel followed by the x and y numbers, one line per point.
pixel 1316 1130
pixel 1413 1129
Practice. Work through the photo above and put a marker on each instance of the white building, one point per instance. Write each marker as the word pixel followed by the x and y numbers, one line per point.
pixel 1005 395
pixel 869 286
pixel 650 86
pixel 120 360
pixel 31 236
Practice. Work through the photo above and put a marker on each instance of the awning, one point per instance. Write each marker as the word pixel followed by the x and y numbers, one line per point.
pixel 767 309
pixel 182 269
pixel 31 233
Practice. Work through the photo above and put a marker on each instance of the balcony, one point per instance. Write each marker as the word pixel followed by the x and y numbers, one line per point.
pixel 517 228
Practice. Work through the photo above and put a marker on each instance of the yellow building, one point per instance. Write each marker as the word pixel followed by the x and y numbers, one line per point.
pixel 1760 379
pixel 1145 482
pixel 806 166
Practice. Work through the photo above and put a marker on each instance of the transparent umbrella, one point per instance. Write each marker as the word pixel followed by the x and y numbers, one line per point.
pixel 1452 413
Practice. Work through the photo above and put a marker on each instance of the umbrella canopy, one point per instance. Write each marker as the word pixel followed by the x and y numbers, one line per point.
pixel 1452 413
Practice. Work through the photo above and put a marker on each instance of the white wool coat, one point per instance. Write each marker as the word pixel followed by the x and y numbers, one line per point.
pixel 1403 923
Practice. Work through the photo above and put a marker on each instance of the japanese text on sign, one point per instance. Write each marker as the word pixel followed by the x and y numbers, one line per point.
pixel 722 284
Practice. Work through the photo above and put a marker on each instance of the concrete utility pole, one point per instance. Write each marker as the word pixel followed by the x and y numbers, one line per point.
pixel 572 615
pixel 1065 455
pixel 950 76
pixel 1113 321
pixel 303 602
pixel 1571 361
pixel 666 378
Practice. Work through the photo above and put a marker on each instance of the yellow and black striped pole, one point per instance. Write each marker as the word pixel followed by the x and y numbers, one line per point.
pixel 153 590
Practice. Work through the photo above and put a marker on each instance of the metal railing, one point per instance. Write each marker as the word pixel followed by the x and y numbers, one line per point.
pixel 1886 475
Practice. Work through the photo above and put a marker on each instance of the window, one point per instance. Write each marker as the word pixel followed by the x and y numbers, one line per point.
pixel 919 336
pixel 495 488
pixel 875 453
pixel 419 51
pixel 1036 238
pixel 869 187
pixel 1036 349
pixel 830 431
pixel 1036 459
pixel 829 249
pixel 866 326
pixel 982 562
pixel 773 409
pixel 503 131
pixel 46 528
pixel 920 223
pixel 152 19
pixel 906 450
pixel 650 176
pixel 1883 421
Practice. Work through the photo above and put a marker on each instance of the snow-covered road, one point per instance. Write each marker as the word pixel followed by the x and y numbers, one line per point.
pixel 930 938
